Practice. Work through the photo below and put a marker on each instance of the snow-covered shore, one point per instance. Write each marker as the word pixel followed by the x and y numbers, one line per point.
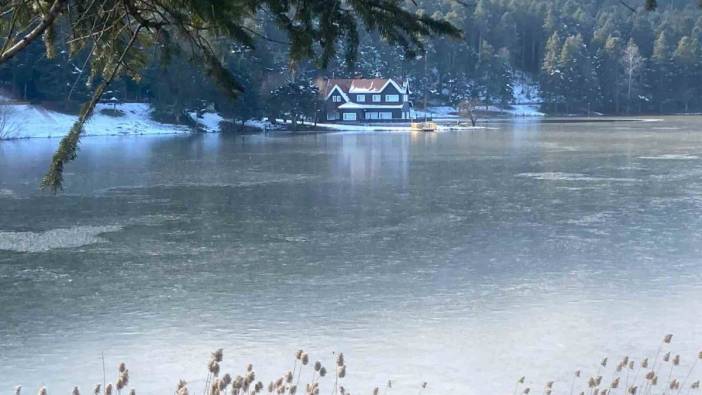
pixel 23 121
pixel 32 121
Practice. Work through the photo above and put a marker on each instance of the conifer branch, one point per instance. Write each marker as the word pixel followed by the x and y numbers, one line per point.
pixel 46 22
pixel 68 148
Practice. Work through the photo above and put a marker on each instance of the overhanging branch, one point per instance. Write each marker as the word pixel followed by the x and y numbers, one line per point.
pixel 44 24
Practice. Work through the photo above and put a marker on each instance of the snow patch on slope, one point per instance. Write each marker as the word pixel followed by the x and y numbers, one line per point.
pixel 32 121
pixel 527 97
pixel 208 121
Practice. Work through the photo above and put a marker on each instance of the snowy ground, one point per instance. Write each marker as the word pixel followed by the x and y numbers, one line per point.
pixel 363 128
pixel 209 121
pixel 439 112
pixel 526 99
pixel 31 121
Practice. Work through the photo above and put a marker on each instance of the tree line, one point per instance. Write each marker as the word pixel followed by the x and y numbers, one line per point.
pixel 588 56
pixel 120 39
pixel 605 56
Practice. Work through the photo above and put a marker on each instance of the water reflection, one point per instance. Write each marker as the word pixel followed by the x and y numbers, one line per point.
pixel 366 158
pixel 466 259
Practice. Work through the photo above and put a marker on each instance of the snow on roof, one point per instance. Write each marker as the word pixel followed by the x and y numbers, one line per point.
pixel 359 85
pixel 350 105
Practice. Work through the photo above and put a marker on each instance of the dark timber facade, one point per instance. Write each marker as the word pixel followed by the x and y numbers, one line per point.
pixel 364 100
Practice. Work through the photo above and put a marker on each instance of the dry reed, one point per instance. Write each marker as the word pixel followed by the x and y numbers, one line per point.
pixel 655 376
pixel 663 374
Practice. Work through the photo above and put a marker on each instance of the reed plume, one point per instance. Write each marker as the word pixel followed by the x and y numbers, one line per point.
pixel 646 383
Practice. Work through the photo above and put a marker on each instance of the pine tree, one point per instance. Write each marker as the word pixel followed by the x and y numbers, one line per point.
pixel 661 71
pixel 579 79
pixel 551 77
pixel 611 74
pixel 687 59
pixel 120 35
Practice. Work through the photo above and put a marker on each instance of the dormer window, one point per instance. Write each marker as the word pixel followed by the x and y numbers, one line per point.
pixel 361 98
pixel 392 98
pixel 336 99
pixel 376 98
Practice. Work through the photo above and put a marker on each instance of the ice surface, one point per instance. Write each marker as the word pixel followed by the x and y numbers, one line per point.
pixel 55 238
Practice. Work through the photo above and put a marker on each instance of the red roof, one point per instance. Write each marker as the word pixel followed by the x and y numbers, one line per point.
pixel 352 85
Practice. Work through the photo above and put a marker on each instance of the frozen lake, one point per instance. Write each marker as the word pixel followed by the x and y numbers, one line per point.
pixel 464 259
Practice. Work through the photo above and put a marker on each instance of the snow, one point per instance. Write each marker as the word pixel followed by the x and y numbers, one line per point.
pixel 32 121
pixel 372 88
pixel 357 105
pixel 525 90
pixel 516 110
pixel 437 112
pixel 525 110
pixel 208 121
pixel 341 92
pixel 363 127
pixel 264 124
pixel 527 97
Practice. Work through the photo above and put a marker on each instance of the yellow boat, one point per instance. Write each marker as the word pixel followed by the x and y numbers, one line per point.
pixel 424 126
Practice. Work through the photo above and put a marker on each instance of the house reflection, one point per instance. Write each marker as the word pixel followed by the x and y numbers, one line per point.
pixel 364 158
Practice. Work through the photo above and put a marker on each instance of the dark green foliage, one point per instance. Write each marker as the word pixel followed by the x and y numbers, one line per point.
pixel 251 49
pixel 296 101
pixel 120 35
pixel 494 76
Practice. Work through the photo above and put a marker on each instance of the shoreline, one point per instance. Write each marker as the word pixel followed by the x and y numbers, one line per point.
pixel 38 122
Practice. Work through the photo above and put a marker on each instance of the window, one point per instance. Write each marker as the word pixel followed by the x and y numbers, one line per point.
pixel 332 116
pixel 405 97
pixel 336 99
pixel 371 115
pixel 376 98
pixel 392 98
pixel 349 116
pixel 361 98
pixel 385 115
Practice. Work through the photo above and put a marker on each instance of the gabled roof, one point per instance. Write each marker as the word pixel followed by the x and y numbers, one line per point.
pixel 337 88
pixel 358 85
pixel 350 105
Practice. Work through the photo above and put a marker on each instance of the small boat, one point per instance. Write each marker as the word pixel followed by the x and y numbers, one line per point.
pixel 424 126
